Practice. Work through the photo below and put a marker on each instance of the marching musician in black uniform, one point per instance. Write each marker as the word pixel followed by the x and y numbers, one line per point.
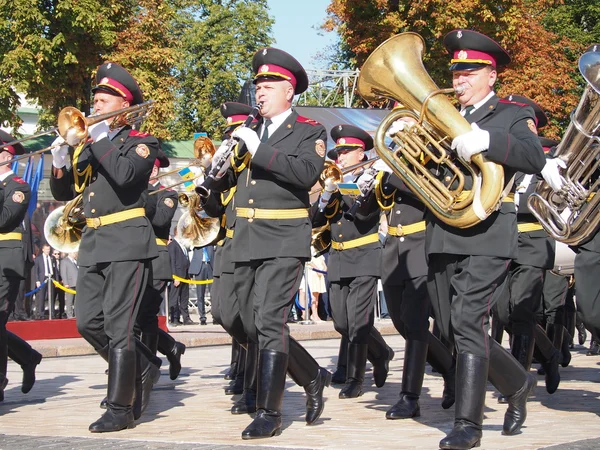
pixel 14 201
pixel 160 210
pixel 354 264
pixel 467 265
pixel 272 235
pixel 111 170
pixel 404 280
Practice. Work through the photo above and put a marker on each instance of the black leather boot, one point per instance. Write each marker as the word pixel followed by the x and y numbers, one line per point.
pixel 497 330
pixel 150 340
pixel 236 386
pixel 234 365
pixel 522 349
pixel 548 357
pixel 511 379
pixel 147 375
pixel 272 368
pixel 441 361
pixel 581 333
pixel 556 333
pixel 472 372
pixel 305 372
pixel 246 404
pixel 3 384
pixel 380 355
pixel 415 354
pixel 173 350
pixel 3 361
pixel 24 355
pixel 339 376
pixel 121 388
pixel 357 361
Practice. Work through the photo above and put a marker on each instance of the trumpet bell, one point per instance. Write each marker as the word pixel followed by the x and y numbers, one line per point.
pixel 72 125
pixel 196 231
pixel 63 228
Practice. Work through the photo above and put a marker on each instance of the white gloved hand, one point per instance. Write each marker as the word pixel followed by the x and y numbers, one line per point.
pixel 330 186
pixel 325 196
pixel 552 175
pixel 220 154
pixel 364 181
pixel 60 151
pixel 198 175
pixel 471 143
pixel 397 126
pixel 381 166
pixel 249 137
pixel 98 131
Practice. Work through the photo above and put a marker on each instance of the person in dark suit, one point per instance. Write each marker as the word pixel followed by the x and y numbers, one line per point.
pixel 59 294
pixel 14 200
pixel 272 234
pixel 466 265
pixel 354 264
pixel 111 170
pixel 201 268
pixel 179 293
pixel 43 269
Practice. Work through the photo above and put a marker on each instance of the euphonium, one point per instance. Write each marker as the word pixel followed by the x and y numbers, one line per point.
pixel 572 215
pixel 64 226
pixel 194 230
pixel 395 70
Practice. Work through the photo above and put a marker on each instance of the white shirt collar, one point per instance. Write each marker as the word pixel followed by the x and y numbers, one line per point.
pixel 480 103
pixel 277 121
pixel 5 175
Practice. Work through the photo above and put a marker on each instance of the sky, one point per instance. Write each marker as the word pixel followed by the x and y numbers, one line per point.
pixel 295 29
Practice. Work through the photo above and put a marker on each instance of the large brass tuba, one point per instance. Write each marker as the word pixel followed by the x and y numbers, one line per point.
pixel 395 70
pixel 572 215
pixel 194 230
pixel 64 226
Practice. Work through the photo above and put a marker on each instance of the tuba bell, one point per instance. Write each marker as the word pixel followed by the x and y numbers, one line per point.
pixel 64 226
pixel 572 215
pixel 395 71
pixel 194 228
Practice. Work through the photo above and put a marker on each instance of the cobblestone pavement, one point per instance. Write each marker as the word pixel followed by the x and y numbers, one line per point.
pixel 193 413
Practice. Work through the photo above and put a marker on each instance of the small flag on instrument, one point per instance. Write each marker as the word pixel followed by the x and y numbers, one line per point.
pixel 186 173
pixel 189 186
pixel 349 189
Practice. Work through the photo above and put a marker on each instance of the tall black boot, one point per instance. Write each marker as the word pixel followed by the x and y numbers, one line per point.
pixel 548 356
pixel 3 358
pixel 147 375
pixel 150 340
pixel 235 357
pixel 497 330
pixel 522 349
pixel 472 372
pixel 511 379
pixel 565 351
pixel 121 391
pixel 339 376
pixel 415 354
pixel 272 368
pixel 173 350
pixel 357 361
pixel 24 355
pixel 556 333
pixel 236 386
pixel 442 361
pixel 246 404
pixel 305 372
pixel 380 355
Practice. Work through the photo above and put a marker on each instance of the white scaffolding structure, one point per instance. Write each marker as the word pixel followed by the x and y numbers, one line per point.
pixel 330 88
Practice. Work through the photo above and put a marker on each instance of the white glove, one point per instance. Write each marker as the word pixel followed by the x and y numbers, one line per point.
pixel 220 155
pixel 325 196
pixel 330 186
pixel 198 175
pixel 381 166
pixel 364 181
pixel 249 137
pixel 552 175
pixel 471 143
pixel 397 126
pixel 60 151
pixel 98 131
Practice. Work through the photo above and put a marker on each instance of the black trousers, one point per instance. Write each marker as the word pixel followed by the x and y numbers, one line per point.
pixel 408 305
pixel 201 289
pixel 554 296
pixel 215 300
pixel 229 308
pixel 9 290
pixel 179 297
pixel 147 320
pixel 40 300
pixel 587 276
pixel 109 296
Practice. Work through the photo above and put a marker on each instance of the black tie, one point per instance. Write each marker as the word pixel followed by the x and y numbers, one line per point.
pixel 468 110
pixel 265 135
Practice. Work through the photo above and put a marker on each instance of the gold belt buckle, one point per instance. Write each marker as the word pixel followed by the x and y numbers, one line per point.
pixel 251 213
pixel 341 246
pixel 95 222
pixel 400 232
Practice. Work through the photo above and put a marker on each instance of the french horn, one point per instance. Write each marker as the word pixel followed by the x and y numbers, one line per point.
pixel 194 227
pixel 64 226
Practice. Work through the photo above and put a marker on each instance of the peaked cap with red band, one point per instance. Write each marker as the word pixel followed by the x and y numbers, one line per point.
pixel 115 80
pixel 471 50
pixel 15 149
pixel 162 160
pixel 348 138
pixel 547 144
pixel 274 64
pixel 235 112
pixel 540 116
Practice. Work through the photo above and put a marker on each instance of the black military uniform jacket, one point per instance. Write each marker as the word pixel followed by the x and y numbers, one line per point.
pixel 222 205
pixel 403 256
pixel 536 248
pixel 279 176
pixel 15 195
pixel 512 144
pixel 160 209
pixel 353 262
pixel 121 169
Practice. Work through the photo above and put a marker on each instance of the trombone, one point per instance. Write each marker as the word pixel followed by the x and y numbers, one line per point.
pixel 333 171
pixel 73 126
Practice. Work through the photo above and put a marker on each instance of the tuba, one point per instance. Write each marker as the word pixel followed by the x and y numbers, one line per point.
pixel 193 229
pixel 572 215
pixel 395 70
pixel 64 226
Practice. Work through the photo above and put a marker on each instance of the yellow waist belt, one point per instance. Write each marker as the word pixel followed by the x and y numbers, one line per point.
pixel 510 198
pixel 229 233
pixel 109 219
pixel 403 230
pixel 253 213
pixel 528 227
pixel 14 236
pixel 163 242
pixel 368 239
